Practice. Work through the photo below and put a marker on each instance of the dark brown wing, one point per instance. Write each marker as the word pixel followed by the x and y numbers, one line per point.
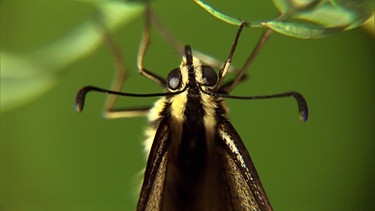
pixel 243 183
pixel 154 179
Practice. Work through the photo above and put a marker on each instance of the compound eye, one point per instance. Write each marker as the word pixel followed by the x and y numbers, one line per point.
pixel 174 79
pixel 209 75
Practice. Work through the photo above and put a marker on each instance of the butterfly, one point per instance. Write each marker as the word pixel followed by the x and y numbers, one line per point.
pixel 196 159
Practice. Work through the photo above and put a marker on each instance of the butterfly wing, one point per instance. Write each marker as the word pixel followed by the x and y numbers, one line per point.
pixel 243 188
pixel 243 183
pixel 154 179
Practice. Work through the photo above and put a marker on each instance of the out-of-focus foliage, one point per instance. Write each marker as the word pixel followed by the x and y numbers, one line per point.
pixel 308 19
pixel 27 76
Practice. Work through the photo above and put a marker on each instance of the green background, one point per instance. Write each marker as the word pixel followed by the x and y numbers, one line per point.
pixel 53 158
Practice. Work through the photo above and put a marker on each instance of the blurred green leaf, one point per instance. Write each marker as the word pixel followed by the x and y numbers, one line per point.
pixel 21 80
pixel 318 18
pixel 299 30
pixel 25 77
pixel 369 25
pixel 217 14
pixel 308 19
